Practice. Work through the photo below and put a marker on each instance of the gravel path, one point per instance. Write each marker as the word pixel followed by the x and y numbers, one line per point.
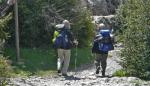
pixel 84 76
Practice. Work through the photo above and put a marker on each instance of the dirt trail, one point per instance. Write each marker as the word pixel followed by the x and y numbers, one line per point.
pixel 84 76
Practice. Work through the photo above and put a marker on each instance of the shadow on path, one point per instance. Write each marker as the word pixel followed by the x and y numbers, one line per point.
pixel 71 78
pixel 107 76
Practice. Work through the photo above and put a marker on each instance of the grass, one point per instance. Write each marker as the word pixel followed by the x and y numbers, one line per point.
pixel 120 73
pixel 43 61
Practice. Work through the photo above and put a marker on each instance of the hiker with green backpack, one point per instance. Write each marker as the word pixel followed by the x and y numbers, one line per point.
pixel 103 43
pixel 63 42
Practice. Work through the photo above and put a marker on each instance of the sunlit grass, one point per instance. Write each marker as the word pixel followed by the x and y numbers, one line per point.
pixel 43 61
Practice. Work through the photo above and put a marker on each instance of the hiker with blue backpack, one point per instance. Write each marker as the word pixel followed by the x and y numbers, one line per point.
pixel 63 42
pixel 103 43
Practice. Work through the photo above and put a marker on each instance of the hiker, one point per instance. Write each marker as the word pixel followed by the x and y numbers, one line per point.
pixel 63 43
pixel 102 45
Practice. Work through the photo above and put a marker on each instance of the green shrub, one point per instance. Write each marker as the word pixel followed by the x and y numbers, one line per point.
pixel 120 73
pixel 83 28
pixel 3 25
pixel 134 23
pixel 5 69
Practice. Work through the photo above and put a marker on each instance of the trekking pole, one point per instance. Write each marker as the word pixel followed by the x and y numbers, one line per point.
pixel 76 54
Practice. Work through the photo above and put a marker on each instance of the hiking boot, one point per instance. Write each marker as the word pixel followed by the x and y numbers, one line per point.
pixel 97 70
pixel 103 73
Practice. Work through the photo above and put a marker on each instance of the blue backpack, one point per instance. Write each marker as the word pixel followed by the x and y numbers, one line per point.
pixel 106 43
pixel 61 40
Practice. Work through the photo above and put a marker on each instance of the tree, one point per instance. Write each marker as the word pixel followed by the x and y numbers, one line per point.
pixel 83 28
pixel 4 66
pixel 37 18
pixel 3 24
pixel 134 23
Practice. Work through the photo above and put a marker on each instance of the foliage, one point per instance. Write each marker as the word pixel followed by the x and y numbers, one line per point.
pixel 134 27
pixel 3 24
pixel 5 69
pixel 31 24
pixel 120 73
pixel 83 28
pixel 1 1
pixel 36 18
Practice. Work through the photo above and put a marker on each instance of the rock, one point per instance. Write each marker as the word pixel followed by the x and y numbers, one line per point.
pixel 119 45
pixel 102 7
pixel 132 79
pixel 67 83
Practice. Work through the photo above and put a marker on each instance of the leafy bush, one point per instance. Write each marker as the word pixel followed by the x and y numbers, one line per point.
pixel 120 73
pixel 83 28
pixel 5 69
pixel 134 23
pixel 3 24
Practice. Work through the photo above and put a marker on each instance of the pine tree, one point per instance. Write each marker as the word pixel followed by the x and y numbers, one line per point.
pixel 134 23
pixel 3 24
